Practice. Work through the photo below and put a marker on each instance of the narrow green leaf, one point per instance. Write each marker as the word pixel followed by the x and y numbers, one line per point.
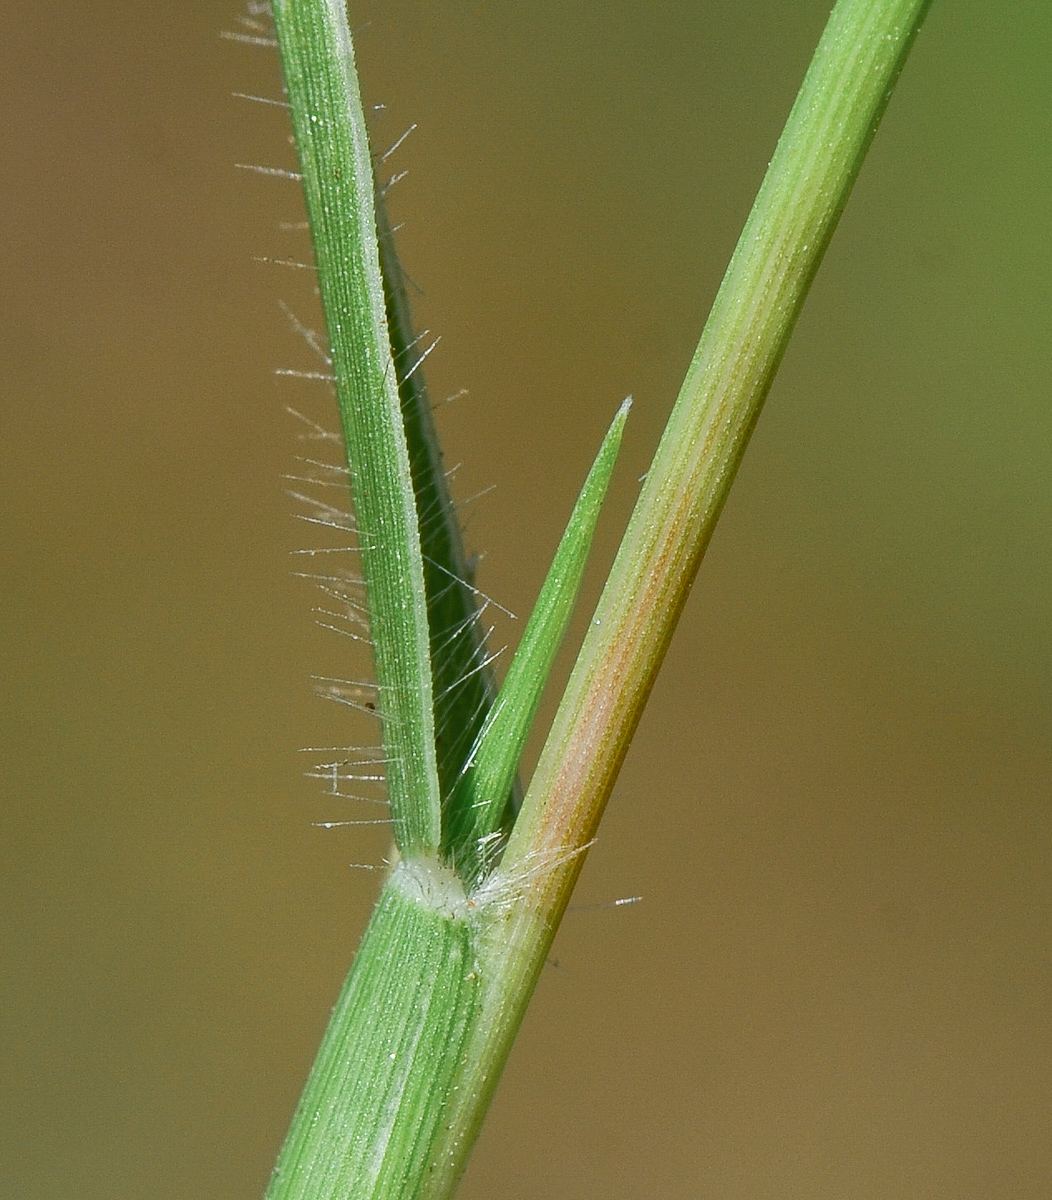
pixel 464 685
pixel 475 812
pixel 318 60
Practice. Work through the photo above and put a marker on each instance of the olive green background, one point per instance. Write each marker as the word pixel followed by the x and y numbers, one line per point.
pixel 837 808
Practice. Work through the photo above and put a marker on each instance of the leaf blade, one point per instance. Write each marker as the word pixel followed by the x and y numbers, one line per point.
pixel 329 125
pixel 479 802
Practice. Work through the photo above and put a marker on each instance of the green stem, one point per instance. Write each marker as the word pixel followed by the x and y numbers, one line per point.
pixel 836 113
pixel 318 61
pixel 833 120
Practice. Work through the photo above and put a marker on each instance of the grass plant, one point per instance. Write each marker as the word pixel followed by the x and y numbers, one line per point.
pixel 479 883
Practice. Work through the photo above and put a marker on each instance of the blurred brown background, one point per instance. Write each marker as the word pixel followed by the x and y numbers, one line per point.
pixel 837 808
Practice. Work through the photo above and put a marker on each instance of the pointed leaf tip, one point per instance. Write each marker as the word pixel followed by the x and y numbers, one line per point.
pixel 484 787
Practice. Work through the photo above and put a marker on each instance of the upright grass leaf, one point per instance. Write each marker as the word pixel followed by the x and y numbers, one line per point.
pixel 463 684
pixel 478 804
pixel 318 61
